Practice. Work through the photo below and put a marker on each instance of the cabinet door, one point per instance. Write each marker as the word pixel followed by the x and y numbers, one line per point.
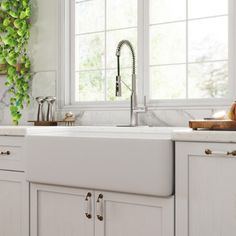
pixel 58 211
pixel 132 215
pixel 14 202
pixel 205 190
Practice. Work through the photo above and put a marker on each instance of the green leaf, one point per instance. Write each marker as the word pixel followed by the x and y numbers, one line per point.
pixel 6 22
pixel 10 30
pixel 5 5
pixel 13 14
pixel 21 32
pixel 18 23
pixel 11 61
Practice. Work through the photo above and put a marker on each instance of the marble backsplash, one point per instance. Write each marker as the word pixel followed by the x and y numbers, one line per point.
pixel 44 84
pixel 154 117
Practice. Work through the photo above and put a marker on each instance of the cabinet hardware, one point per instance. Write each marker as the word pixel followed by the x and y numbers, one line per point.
pixel 100 207
pixel 7 153
pixel 210 152
pixel 88 205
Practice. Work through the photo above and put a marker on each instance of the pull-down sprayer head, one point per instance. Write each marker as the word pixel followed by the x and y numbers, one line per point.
pixel 118 77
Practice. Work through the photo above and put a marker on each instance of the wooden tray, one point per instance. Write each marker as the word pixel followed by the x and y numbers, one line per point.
pixel 213 124
pixel 44 123
pixel 52 123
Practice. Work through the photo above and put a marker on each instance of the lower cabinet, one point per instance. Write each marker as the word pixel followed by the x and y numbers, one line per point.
pixel 59 211
pixel 132 215
pixel 14 204
pixel 205 189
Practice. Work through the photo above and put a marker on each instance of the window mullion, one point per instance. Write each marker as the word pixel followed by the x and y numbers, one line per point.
pixel 187 53
pixel 232 48
pixel 143 48
pixel 72 52
pixel 105 53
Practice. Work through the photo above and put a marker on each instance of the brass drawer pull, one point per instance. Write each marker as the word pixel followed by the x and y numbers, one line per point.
pixel 100 207
pixel 210 152
pixel 7 153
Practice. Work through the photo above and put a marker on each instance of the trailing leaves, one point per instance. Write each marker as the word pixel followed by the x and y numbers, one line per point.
pixel 14 36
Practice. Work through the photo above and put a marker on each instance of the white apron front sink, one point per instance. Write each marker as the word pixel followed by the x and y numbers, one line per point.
pixel 131 160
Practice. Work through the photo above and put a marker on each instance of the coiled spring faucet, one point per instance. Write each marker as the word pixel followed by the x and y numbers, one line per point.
pixel 134 110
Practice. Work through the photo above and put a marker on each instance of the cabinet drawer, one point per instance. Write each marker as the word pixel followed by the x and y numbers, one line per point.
pixel 12 153
pixel 207 149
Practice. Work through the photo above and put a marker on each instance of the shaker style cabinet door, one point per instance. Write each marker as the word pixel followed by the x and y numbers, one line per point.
pixel 205 189
pixel 59 211
pixel 14 202
pixel 132 215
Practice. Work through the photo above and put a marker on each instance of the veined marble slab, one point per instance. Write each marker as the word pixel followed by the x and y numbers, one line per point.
pixel 24 130
pixel 190 135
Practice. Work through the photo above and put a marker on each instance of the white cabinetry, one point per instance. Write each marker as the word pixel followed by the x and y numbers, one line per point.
pixel 13 204
pixel 59 211
pixel 14 190
pixel 132 215
pixel 205 189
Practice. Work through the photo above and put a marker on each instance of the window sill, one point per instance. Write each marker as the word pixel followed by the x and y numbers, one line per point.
pixel 195 104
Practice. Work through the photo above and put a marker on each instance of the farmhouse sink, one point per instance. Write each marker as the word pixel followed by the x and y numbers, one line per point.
pixel 132 160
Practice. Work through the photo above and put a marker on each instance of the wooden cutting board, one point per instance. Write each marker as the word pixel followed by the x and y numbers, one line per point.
pixel 213 124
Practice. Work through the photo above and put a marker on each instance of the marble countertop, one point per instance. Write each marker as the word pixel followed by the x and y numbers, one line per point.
pixel 89 131
pixel 13 130
pixel 190 135
pixel 140 132
pixel 26 130
pixel 176 134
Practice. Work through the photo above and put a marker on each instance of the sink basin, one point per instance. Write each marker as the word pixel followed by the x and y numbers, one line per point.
pixel 136 160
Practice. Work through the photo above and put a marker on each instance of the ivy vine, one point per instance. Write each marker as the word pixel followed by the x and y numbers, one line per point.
pixel 14 35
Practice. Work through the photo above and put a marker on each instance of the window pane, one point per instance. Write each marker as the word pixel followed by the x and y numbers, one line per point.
pixel 208 80
pixel 167 10
pixel 205 8
pixel 208 39
pixel 168 43
pixel 90 86
pixel 89 52
pixel 89 16
pixel 111 81
pixel 113 38
pixel 121 14
pixel 168 82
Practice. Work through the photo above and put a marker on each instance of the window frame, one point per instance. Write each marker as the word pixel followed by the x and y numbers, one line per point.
pixel 66 69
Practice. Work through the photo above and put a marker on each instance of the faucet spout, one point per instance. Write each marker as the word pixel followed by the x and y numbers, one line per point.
pixel 133 99
pixel 118 77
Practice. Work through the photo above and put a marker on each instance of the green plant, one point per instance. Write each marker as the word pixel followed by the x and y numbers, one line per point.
pixel 14 36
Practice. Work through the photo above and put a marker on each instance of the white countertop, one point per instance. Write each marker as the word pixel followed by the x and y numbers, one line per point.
pixel 13 130
pixel 174 133
pixel 26 130
pixel 190 135
pixel 140 132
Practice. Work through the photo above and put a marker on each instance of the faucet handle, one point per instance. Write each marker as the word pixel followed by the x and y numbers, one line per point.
pixel 142 109
pixel 145 101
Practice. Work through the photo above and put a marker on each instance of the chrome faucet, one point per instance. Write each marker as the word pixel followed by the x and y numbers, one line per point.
pixel 134 110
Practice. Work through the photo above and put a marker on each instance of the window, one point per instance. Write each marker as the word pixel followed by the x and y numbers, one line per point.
pixel 99 26
pixel 189 42
pixel 183 44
